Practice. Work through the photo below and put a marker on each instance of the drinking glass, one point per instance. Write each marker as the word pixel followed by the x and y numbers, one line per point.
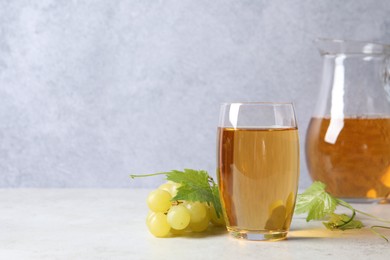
pixel 258 168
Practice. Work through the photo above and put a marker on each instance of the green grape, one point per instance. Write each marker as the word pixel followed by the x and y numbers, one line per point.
pixel 159 201
pixel 201 225
pixel 158 224
pixel 217 221
pixel 198 211
pixel 171 187
pixel 178 217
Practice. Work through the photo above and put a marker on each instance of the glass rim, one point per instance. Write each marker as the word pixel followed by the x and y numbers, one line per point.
pixel 329 46
pixel 268 115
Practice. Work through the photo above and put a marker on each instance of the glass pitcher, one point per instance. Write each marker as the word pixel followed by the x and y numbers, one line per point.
pixel 348 138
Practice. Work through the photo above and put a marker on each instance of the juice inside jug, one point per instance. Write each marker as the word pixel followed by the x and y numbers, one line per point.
pixel 357 164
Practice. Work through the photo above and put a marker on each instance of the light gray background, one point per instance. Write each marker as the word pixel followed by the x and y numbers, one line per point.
pixel 91 91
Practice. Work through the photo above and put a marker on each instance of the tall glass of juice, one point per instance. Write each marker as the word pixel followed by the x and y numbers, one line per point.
pixel 258 168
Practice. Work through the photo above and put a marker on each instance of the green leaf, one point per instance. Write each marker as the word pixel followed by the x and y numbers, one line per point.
pixel 342 222
pixel 201 194
pixel 316 202
pixel 191 178
pixel 194 185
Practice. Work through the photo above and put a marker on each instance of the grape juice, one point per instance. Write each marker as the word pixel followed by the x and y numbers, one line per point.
pixel 352 157
pixel 258 177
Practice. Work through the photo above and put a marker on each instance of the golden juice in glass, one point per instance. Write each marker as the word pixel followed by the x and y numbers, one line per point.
pixel 258 178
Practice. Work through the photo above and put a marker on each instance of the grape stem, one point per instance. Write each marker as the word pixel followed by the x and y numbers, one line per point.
pixel 348 221
pixel 372 216
pixel 372 228
pixel 347 205
pixel 146 175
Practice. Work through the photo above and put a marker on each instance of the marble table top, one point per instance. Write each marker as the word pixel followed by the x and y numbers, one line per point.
pixel 110 224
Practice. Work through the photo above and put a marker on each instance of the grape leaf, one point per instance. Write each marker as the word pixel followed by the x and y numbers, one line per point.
pixel 189 193
pixel 342 222
pixel 316 202
pixel 194 184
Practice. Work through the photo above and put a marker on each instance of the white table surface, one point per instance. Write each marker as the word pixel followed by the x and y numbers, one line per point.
pixel 110 224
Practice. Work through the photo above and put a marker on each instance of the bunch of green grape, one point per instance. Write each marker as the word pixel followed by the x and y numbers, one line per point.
pixel 167 217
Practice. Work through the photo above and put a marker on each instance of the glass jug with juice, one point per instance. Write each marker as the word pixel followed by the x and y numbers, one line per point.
pixel 348 138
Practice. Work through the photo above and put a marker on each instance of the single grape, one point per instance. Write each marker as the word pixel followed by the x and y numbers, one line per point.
pixel 201 224
pixel 198 211
pixel 158 224
pixel 166 186
pixel 178 217
pixel 159 201
pixel 217 221
pixel 171 187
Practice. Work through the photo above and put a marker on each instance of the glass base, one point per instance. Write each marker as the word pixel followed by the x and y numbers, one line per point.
pixel 257 235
